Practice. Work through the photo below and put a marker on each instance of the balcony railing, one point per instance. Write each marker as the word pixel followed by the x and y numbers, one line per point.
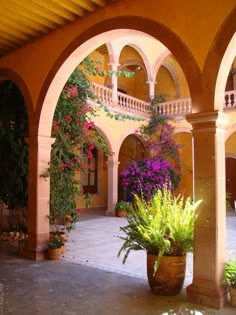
pixel 133 105
pixel 230 99
pixel 178 107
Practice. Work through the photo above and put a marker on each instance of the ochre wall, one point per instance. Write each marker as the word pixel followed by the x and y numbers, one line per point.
pixel 186 183
pixel 165 84
pixel 230 144
pixel 137 86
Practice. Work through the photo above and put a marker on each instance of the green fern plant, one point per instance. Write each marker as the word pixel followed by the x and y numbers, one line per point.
pixel 162 226
pixel 230 273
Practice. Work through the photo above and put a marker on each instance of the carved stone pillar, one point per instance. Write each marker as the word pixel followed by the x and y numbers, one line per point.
pixel 112 185
pixel 151 89
pixel 39 196
pixel 114 82
pixel 210 229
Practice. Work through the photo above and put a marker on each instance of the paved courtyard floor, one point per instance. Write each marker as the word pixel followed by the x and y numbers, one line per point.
pixel 95 242
pixel 90 279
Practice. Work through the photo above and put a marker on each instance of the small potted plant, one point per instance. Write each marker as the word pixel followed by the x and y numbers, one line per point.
pixel 121 208
pixel 164 228
pixel 230 279
pixel 55 246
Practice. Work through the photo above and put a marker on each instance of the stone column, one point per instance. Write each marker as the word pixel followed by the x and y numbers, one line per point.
pixel 39 196
pixel 151 89
pixel 210 229
pixel 114 82
pixel 112 185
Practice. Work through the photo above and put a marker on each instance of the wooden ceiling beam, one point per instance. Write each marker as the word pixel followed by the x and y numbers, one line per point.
pixel 10 23
pixel 70 6
pixel 18 12
pixel 100 3
pixel 11 39
pixel 22 19
pixel 86 4
pixel 7 44
pixel 38 10
pixel 55 9
pixel 14 33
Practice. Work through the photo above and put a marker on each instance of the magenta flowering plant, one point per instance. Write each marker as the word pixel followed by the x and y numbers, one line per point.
pixel 159 137
pixel 147 176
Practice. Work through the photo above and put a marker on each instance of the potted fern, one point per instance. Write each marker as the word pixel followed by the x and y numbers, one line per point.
pixel 121 207
pixel 164 228
pixel 230 279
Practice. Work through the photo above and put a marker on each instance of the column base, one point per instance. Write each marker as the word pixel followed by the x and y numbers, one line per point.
pixel 35 247
pixel 38 254
pixel 110 213
pixel 212 297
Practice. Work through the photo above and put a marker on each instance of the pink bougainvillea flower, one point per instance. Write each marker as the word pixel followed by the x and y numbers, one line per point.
pixel 68 118
pixel 71 90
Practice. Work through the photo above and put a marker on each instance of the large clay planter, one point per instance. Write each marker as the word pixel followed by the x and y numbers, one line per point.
pixel 121 213
pixel 232 294
pixel 54 254
pixel 169 278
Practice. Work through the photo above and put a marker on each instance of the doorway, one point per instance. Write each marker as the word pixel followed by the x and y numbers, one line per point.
pixel 231 179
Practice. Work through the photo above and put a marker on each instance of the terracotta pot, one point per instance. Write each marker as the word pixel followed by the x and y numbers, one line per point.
pixel 54 254
pixel 232 294
pixel 62 234
pixel 121 213
pixel 169 278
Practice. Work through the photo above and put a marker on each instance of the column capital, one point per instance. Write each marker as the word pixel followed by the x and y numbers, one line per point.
pixel 151 81
pixel 114 65
pixel 208 120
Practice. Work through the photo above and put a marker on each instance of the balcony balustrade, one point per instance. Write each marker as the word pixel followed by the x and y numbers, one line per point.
pixel 175 108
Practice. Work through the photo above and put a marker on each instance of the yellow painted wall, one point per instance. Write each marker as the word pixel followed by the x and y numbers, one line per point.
pixel 184 90
pixel 230 144
pixel 137 86
pixel 97 56
pixel 165 84
pixel 186 186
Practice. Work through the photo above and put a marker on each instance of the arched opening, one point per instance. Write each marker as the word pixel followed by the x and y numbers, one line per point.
pixel 14 160
pixel 132 149
pixel 230 164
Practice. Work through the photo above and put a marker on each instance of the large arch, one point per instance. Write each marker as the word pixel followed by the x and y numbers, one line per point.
pixel 142 54
pixel 88 41
pixel 219 61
